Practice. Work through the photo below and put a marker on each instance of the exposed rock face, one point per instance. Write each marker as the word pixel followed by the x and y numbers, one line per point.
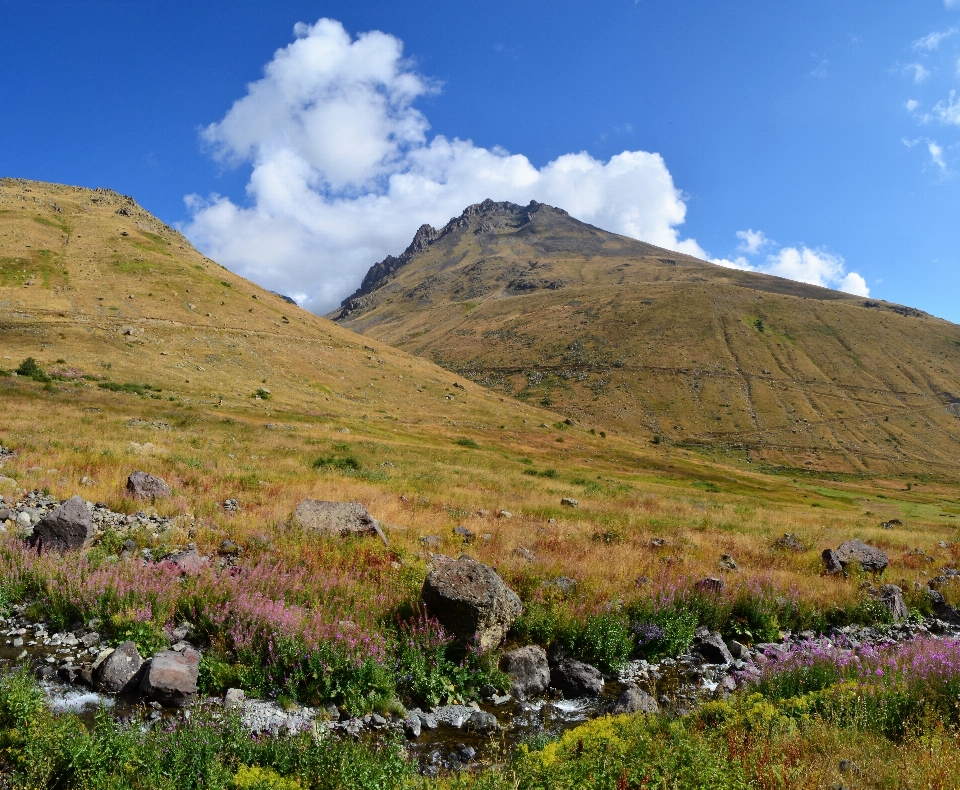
pixel 336 518
pixel 118 672
pixel 140 485
pixel 710 647
pixel 528 669
pixel 633 700
pixel 856 552
pixel 171 677
pixel 471 601
pixel 70 526
pixel 576 679
pixel 891 596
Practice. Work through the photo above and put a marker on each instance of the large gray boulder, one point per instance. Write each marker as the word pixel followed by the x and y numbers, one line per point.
pixel 858 553
pixel 831 563
pixel 336 518
pixel 118 671
pixel 471 600
pixel 67 527
pixel 576 679
pixel 171 677
pixel 140 485
pixel 633 700
pixel 528 669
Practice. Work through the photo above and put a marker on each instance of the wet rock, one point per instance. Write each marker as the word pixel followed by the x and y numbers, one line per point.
pixel 710 647
pixel 528 669
pixel 633 700
pixel 576 679
pixel 141 485
pixel 117 671
pixel 891 597
pixel 67 527
pixel 171 677
pixel 412 727
pixel 472 601
pixel 858 553
pixel 336 518
pixel 831 563
pixel 91 639
pixel 483 723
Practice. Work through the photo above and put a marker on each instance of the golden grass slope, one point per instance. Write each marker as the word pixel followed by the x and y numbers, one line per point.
pixel 628 337
pixel 429 455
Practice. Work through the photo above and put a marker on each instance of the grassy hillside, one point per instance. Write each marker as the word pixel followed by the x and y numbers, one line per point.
pixel 658 346
pixel 146 355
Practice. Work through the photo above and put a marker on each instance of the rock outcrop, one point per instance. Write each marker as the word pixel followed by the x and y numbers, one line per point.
pixel 336 518
pixel 471 600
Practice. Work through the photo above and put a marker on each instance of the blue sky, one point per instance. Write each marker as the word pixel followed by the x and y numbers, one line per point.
pixel 825 134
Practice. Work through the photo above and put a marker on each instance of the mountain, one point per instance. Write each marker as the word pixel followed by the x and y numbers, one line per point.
pixel 629 337
pixel 93 285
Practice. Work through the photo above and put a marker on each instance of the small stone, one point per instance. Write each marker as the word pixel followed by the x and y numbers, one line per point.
pixel 524 553
pixel 466 535
pixel 430 541
pixel 728 563
pixel 505 514
pixel 633 700
pixel 570 502
pixel 229 548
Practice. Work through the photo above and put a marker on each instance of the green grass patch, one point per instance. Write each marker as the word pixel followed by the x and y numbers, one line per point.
pixel 129 387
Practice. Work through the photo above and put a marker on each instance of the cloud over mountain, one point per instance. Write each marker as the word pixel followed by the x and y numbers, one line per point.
pixel 343 171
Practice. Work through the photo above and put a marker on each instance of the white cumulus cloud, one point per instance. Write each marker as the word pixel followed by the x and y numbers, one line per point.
pixel 344 172
pixel 948 111
pixel 817 267
pixel 911 105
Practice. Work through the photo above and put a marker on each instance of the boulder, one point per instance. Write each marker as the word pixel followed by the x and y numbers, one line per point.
pixel 633 700
pixel 576 679
pixel 140 485
pixel 483 723
pixel 336 518
pixel 471 600
pixel 891 597
pixel 711 584
pixel 528 669
pixel 789 543
pixel 710 647
pixel 188 561
pixel 171 677
pixel 68 527
pixel 831 564
pixel 117 671
pixel 856 552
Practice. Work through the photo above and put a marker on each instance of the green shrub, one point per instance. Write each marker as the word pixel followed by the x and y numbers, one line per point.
pixel 464 441
pixel 604 640
pixel 261 393
pixel 343 463
pixel 668 632
pixel 31 370
pixel 129 387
